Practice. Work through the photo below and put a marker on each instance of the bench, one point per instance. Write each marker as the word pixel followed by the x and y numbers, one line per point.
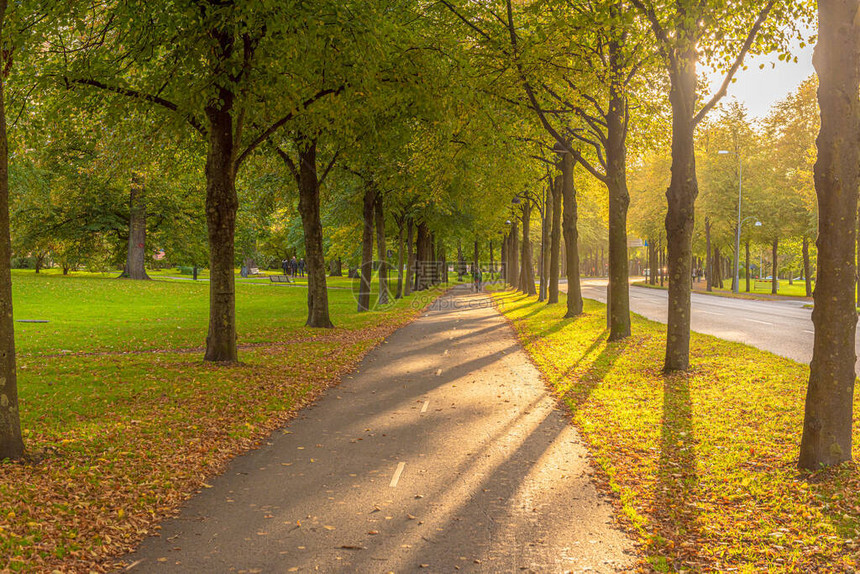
pixel 279 278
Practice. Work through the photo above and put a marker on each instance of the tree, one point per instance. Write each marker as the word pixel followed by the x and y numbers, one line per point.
pixel 11 442
pixel 217 67
pixel 828 417
pixel 684 30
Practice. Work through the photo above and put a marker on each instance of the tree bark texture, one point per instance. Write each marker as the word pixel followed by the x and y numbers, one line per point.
pixel 571 238
pixel 401 228
pixel 135 261
pixel 747 267
pixel 309 209
pixel 423 257
pixel 774 277
pixel 514 255
pixel 618 301
pixel 555 242
pixel 379 213
pixel 410 258
pixel 11 441
pixel 544 244
pixel 829 399
pixel 527 277
pixel 221 205
pixel 367 212
pixel 709 256
pixel 681 199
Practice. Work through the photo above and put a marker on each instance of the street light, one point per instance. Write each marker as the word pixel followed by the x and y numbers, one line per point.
pixel 735 283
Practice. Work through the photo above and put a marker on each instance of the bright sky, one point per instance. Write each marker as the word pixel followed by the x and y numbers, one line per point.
pixel 758 89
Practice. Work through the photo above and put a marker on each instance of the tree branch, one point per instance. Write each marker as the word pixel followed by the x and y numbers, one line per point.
pixel 280 123
pixel 329 166
pixel 138 95
pixel 762 17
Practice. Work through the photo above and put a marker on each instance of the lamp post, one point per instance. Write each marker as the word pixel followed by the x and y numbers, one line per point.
pixel 735 282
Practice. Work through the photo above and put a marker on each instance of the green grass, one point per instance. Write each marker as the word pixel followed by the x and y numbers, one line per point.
pixel 798 289
pixel 756 288
pixel 702 465
pixel 121 417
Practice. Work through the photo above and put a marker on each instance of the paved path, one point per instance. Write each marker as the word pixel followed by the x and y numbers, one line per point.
pixel 781 327
pixel 441 453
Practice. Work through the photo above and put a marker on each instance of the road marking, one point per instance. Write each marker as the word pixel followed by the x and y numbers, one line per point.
pixel 438 372
pixel 424 408
pixel 810 332
pixel 709 312
pixel 396 478
pixel 757 321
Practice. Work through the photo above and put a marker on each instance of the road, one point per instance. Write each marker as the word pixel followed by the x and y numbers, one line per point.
pixel 442 452
pixel 781 327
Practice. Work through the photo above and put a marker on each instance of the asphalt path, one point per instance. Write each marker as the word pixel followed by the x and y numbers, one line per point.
pixel 781 327
pixel 442 452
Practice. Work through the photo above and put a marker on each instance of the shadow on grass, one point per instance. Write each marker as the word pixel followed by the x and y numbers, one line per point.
pixel 677 478
pixel 596 372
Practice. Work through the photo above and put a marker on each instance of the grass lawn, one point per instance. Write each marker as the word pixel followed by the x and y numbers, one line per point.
pixel 123 420
pixel 798 289
pixel 702 465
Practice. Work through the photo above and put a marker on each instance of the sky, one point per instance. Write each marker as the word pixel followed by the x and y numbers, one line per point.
pixel 758 89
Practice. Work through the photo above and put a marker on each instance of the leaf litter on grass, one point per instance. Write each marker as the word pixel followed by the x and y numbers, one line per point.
pixel 702 466
pixel 118 440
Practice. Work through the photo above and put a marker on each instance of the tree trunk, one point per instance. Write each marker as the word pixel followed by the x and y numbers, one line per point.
pixel 555 242
pixel 309 209
pixel 221 205
pixel 747 269
pixel 366 248
pixel 410 258
pixel 422 280
pixel 475 262
pixel 661 263
pixel 681 199
pixel 774 281
pixel 709 255
pixel 135 262
pixel 653 263
pixel 336 268
pixel 618 301
pixel 806 267
pixel 544 244
pixel 11 441
pixel 492 263
pixel 381 249
pixel 718 267
pixel 827 424
pixel 400 229
pixel 571 238
pixel 527 277
pixel 513 256
pixel 503 261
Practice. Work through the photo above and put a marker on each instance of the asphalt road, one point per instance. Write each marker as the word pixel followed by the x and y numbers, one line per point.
pixel 781 327
pixel 442 452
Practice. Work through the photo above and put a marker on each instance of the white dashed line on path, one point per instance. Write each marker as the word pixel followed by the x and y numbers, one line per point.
pixel 709 312
pixel 396 478
pixel 424 408
pixel 808 331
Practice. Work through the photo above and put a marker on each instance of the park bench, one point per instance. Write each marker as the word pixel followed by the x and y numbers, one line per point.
pixel 279 278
